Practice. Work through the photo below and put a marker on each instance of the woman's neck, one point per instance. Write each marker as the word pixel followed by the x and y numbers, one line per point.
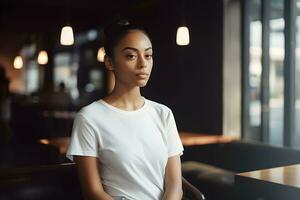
pixel 125 98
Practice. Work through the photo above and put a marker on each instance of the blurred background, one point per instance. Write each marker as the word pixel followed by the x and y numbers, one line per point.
pixel 49 81
pixel 228 69
pixel 237 75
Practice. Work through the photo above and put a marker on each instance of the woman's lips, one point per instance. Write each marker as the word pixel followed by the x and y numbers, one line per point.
pixel 142 76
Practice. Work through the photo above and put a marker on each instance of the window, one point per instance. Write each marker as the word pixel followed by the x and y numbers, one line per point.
pixel 276 81
pixel 271 70
pixel 296 141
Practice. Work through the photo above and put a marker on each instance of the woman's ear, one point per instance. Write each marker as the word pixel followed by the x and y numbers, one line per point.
pixel 108 63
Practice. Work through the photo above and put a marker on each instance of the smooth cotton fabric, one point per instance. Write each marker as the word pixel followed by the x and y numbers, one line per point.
pixel 133 147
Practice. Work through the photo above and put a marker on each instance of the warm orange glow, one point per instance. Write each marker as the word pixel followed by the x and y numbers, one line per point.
pixel 61 143
pixel 42 57
pixel 18 62
pixel 44 141
pixel 189 139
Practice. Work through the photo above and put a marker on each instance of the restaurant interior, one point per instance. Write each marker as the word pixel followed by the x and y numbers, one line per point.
pixel 228 69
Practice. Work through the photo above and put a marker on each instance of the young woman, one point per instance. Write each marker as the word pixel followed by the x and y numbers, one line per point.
pixel 126 146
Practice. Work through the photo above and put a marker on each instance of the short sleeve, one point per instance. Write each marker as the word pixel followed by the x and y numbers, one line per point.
pixel 174 143
pixel 84 141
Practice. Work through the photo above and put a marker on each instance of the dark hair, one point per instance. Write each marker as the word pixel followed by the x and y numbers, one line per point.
pixel 115 31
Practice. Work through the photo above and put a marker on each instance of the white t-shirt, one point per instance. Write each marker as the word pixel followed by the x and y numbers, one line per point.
pixel 133 147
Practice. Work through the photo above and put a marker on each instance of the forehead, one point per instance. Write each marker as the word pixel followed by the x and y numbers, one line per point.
pixel 136 39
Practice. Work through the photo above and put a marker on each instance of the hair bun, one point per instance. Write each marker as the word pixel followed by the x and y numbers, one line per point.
pixel 114 31
pixel 117 22
pixel 115 25
pixel 123 22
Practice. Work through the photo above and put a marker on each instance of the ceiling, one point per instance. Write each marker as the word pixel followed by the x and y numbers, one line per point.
pixel 24 21
pixel 48 16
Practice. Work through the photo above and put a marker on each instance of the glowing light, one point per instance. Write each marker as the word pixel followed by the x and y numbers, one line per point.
pixel 18 62
pixel 42 57
pixel 182 36
pixel 67 36
pixel 101 54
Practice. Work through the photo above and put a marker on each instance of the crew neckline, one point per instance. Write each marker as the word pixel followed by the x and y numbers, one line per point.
pixel 121 110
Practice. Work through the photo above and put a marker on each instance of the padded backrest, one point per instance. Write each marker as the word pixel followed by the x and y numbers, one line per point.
pixel 249 156
pixel 242 156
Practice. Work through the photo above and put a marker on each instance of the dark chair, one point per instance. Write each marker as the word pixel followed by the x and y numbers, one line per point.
pixel 58 181
pixel 190 192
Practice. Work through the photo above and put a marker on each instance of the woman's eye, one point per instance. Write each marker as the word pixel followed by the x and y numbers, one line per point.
pixel 131 57
pixel 149 56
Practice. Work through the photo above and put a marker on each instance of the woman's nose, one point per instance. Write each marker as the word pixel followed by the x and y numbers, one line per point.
pixel 142 62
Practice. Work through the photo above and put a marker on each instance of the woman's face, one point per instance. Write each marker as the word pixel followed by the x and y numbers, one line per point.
pixel 132 62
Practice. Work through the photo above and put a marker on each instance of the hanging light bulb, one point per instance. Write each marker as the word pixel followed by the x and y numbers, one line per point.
pixel 18 62
pixel 66 36
pixel 182 36
pixel 101 54
pixel 42 57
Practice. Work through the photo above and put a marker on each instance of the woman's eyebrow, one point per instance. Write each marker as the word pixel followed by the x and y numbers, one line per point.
pixel 134 49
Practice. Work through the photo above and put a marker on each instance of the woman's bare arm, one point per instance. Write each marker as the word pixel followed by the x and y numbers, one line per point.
pixel 173 179
pixel 88 170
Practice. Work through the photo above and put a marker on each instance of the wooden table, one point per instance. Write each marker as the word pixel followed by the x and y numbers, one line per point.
pixel 269 184
pixel 61 143
pixel 187 138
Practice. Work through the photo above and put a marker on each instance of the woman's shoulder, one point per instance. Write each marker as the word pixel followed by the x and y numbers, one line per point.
pixel 90 110
pixel 158 106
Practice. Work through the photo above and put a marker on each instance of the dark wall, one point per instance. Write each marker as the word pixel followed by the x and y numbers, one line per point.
pixel 189 79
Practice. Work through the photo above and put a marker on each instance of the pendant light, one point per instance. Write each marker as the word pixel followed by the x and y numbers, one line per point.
pixel 42 57
pixel 66 34
pixel 182 34
pixel 101 54
pixel 18 62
